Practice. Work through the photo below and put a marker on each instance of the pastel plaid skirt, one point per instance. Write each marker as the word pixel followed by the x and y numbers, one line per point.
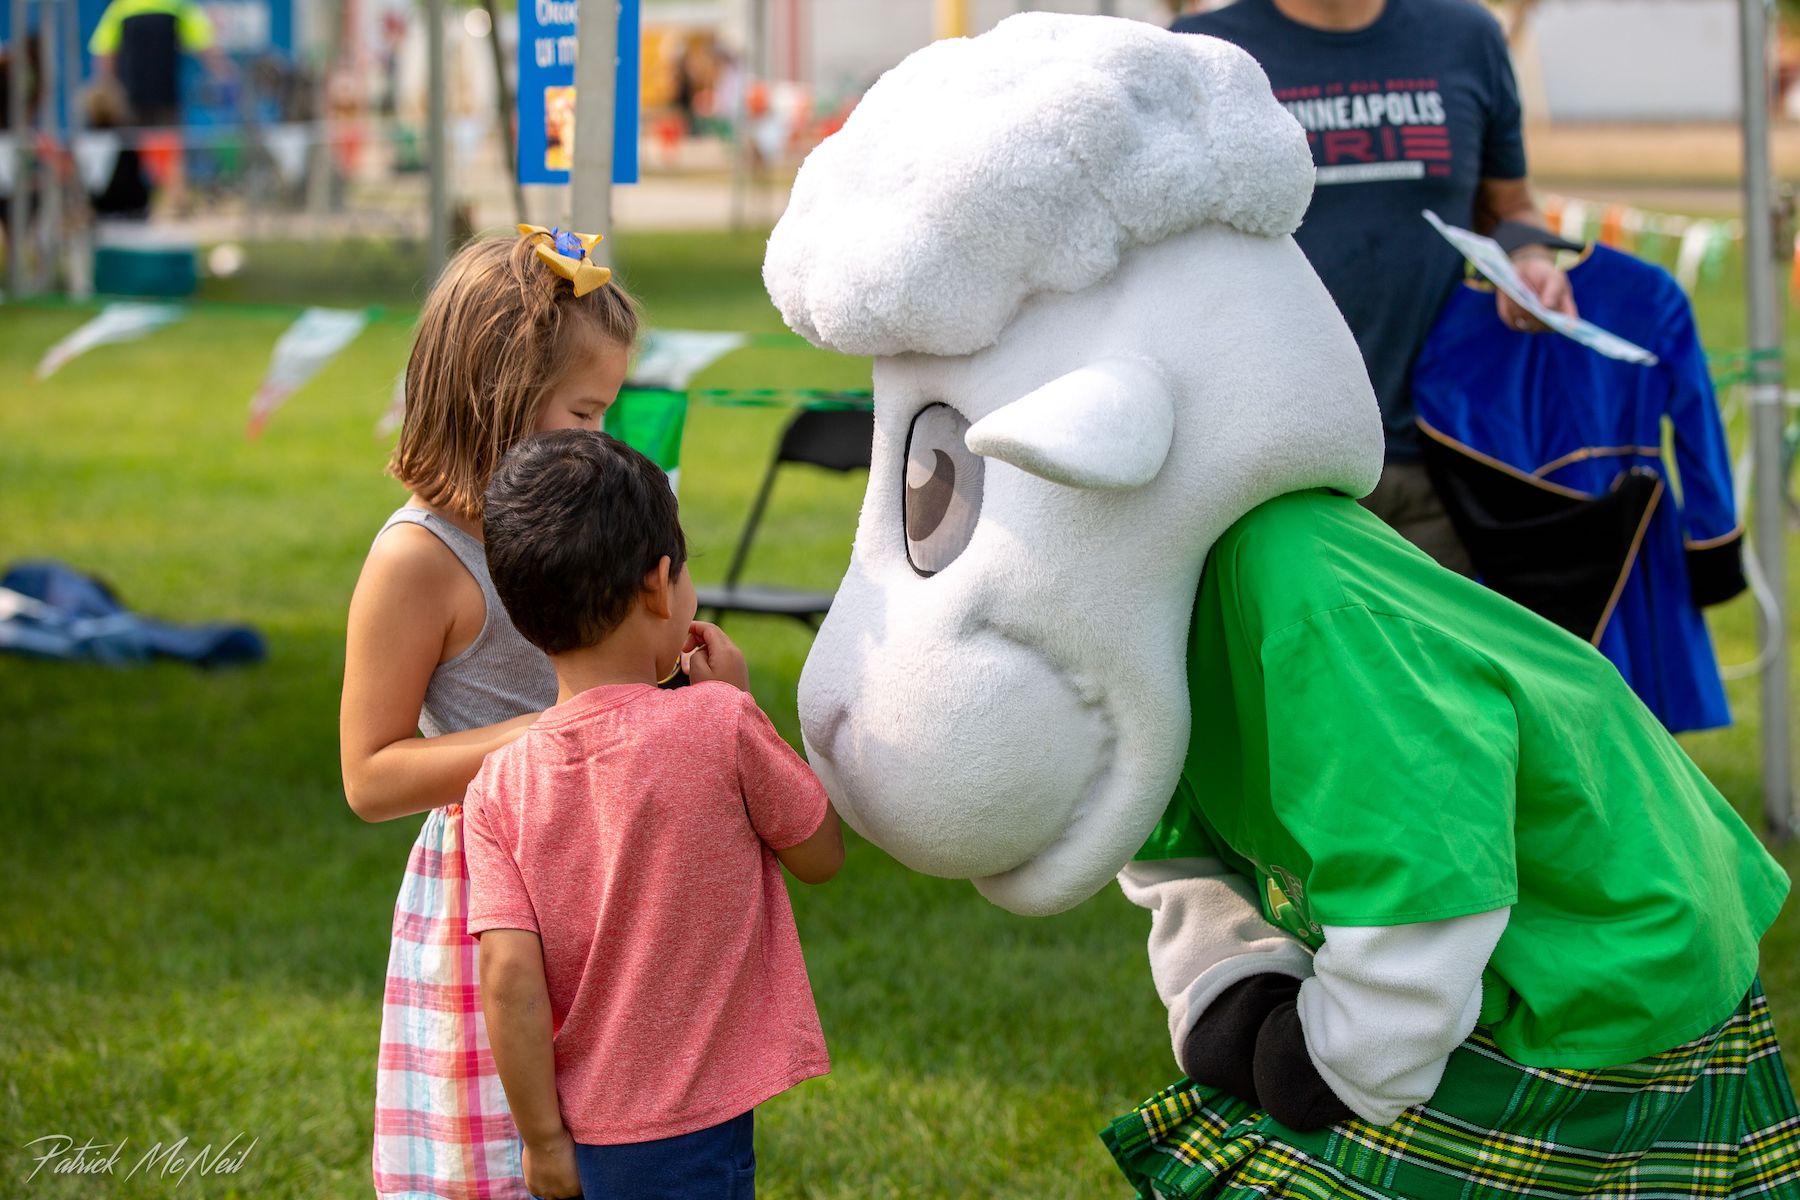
pixel 442 1127
pixel 1713 1118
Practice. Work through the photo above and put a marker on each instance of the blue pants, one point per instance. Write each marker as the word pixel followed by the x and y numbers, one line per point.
pixel 718 1163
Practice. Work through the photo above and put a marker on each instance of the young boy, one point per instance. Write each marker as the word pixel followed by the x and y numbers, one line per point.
pixel 640 972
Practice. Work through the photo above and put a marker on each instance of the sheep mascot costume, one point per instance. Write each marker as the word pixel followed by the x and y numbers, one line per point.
pixel 1437 908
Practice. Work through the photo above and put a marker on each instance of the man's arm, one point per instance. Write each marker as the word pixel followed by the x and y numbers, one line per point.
pixel 516 1002
pixel 1505 210
pixel 198 39
pixel 104 44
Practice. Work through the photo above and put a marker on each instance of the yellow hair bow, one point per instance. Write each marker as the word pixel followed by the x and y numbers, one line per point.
pixel 569 255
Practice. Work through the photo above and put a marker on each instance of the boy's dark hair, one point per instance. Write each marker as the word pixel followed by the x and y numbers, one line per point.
pixel 574 521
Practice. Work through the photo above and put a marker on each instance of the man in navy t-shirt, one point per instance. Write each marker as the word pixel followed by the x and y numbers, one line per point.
pixel 1408 105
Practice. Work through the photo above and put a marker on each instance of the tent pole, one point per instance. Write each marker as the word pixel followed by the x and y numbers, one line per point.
pixel 596 79
pixel 50 226
pixel 749 68
pixel 437 141
pixel 16 213
pixel 78 247
pixel 1767 414
pixel 503 100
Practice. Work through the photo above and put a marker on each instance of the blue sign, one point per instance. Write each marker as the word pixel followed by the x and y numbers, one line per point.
pixel 547 91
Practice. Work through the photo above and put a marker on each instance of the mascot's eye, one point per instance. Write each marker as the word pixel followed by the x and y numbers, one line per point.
pixel 943 489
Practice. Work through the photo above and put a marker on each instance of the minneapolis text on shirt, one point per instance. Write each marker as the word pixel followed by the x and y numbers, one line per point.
pixel 174 1162
pixel 1375 130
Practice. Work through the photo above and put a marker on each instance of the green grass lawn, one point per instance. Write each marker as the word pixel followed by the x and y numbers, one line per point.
pixel 195 925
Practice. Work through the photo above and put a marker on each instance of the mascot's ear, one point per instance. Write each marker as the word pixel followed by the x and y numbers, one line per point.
pixel 1107 425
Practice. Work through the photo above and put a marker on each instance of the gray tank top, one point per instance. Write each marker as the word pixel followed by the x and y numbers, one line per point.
pixel 500 675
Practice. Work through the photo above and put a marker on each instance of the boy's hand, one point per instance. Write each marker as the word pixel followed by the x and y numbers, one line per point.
pixel 550 1168
pixel 711 655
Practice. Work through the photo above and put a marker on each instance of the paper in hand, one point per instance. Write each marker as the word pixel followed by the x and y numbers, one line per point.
pixel 1493 263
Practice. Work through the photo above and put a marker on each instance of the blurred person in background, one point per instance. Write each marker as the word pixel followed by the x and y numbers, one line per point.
pixel 1408 105
pixel 139 44
pixel 13 58
pixel 125 195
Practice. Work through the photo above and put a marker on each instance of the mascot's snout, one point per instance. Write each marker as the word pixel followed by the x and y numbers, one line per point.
pixel 984 706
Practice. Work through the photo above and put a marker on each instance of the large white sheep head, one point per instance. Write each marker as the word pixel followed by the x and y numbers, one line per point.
pixel 1066 243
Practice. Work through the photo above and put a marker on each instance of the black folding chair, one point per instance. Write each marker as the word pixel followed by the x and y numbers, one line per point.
pixel 832 438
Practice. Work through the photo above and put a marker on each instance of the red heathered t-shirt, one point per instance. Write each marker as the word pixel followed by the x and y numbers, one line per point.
pixel 633 830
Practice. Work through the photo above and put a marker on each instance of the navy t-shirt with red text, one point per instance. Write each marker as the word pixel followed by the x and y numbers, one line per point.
pixel 1408 113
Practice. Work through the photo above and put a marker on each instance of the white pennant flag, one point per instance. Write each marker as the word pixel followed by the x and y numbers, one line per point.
pixel 467 132
pixel 287 146
pixel 309 343
pixel 396 409
pixel 116 323
pixel 1574 221
pixel 1694 241
pixel 672 357
pixel 96 154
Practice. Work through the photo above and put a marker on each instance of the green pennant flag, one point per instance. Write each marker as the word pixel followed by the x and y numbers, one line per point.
pixel 651 420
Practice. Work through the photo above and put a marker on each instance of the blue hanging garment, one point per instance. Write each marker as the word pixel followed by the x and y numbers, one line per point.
pixel 1552 463
pixel 50 610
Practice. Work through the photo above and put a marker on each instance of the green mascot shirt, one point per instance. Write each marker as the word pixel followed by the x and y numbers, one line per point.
pixel 1378 741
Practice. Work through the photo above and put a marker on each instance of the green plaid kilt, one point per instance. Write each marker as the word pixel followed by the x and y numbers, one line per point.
pixel 1712 1118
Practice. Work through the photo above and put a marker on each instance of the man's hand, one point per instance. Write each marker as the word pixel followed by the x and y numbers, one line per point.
pixel 711 655
pixel 550 1168
pixel 1538 269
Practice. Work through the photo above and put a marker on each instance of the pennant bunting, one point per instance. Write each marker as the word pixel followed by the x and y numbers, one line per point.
pixel 1692 252
pixel 466 133
pixel 302 351
pixel 1712 259
pixel 1574 220
pixel 672 357
pixel 651 420
pixel 96 155
pixel 1702 245
pixel 1612 226
pixel 391 420
pixel 121 322
pixel 287 145
pixel 1552 207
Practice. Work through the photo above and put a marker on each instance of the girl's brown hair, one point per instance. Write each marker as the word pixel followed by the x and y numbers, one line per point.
pixel 499 329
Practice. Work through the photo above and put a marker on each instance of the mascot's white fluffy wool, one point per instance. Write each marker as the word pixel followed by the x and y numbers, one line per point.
pixel 1066 243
